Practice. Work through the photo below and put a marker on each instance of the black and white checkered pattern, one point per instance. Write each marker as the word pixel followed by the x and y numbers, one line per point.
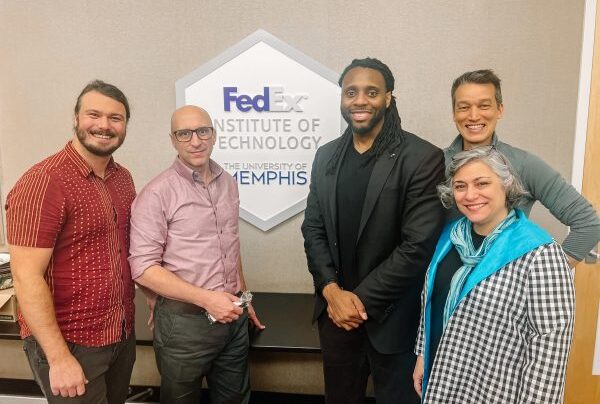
pixel 508 340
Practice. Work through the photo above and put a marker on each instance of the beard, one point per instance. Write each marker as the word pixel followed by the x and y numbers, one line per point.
pixel 106 151
pixel 377 117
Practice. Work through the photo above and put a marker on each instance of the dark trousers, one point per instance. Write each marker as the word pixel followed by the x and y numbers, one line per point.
pixel 349 358
pixel 188 348
pixel 107 368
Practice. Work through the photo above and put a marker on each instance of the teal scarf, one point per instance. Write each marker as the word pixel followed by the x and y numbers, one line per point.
pixel 460 235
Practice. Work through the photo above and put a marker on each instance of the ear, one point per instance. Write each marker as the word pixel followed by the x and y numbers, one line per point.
pixel 388 99
pixel 500 110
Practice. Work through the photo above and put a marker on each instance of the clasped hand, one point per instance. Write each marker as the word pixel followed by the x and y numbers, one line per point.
pixel 344 308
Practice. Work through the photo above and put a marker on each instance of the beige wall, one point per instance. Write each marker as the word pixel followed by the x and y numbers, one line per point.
pixel 50 48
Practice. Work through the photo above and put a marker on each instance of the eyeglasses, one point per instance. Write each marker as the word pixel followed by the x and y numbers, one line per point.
pixel 185 135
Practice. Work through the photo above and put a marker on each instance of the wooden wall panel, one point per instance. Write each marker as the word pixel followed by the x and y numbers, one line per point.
pixel 582 387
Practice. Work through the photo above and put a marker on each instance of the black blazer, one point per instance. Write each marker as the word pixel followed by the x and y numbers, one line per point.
pixel 401 220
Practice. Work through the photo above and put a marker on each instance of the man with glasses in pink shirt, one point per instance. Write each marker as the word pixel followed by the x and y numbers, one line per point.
pixel 185 249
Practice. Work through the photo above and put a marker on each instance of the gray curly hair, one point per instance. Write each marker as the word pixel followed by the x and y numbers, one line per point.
pixel 493 159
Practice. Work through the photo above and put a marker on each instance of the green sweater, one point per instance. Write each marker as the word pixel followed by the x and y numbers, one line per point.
pixel 546 185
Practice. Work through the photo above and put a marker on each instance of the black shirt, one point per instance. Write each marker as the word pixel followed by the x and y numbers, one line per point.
pixel 352 182
pixel 441 287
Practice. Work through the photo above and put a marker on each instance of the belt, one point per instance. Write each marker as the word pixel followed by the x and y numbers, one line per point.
pixel 179 307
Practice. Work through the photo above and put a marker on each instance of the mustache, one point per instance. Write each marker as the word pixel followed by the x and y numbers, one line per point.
pixel 102 132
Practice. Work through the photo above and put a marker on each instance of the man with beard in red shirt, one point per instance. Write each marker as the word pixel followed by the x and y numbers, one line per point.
pixel 68 230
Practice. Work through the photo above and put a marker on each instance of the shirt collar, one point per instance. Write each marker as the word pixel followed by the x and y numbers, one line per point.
pixel 190 174
pixel 84 168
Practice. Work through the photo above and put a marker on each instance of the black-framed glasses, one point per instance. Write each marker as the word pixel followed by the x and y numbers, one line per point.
pixel 185 135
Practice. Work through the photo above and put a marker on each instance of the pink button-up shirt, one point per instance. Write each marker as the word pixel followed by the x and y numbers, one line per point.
pixel 188 227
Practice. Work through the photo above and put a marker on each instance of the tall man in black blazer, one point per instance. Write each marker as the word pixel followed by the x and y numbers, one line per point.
pixel 371 223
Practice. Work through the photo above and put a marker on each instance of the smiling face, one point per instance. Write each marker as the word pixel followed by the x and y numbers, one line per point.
pixel 364 101
pixel 100 124
pixel 196 153
pixel 476 113
pixel 480 196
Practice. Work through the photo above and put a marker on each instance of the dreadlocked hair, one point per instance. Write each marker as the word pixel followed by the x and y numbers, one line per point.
pixel 392 124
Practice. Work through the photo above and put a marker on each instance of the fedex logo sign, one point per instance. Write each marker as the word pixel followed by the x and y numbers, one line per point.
pixel 273 107
pixel 272 99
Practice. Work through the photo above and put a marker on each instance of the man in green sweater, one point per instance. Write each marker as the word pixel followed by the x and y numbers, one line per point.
pixel 477 106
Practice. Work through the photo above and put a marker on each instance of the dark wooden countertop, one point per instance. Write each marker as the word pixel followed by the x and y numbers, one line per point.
pixel 287 317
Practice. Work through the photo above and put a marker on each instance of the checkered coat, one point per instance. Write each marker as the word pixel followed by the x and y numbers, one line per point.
pixel 508 340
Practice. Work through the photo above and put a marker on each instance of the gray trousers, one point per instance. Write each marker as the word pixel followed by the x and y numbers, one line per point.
pixel 107 368
pixel 188 348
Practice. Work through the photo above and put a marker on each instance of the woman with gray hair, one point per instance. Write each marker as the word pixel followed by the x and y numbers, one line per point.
pixel 498 300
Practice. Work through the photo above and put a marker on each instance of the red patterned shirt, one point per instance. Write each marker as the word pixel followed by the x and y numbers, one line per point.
pixel 60 203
